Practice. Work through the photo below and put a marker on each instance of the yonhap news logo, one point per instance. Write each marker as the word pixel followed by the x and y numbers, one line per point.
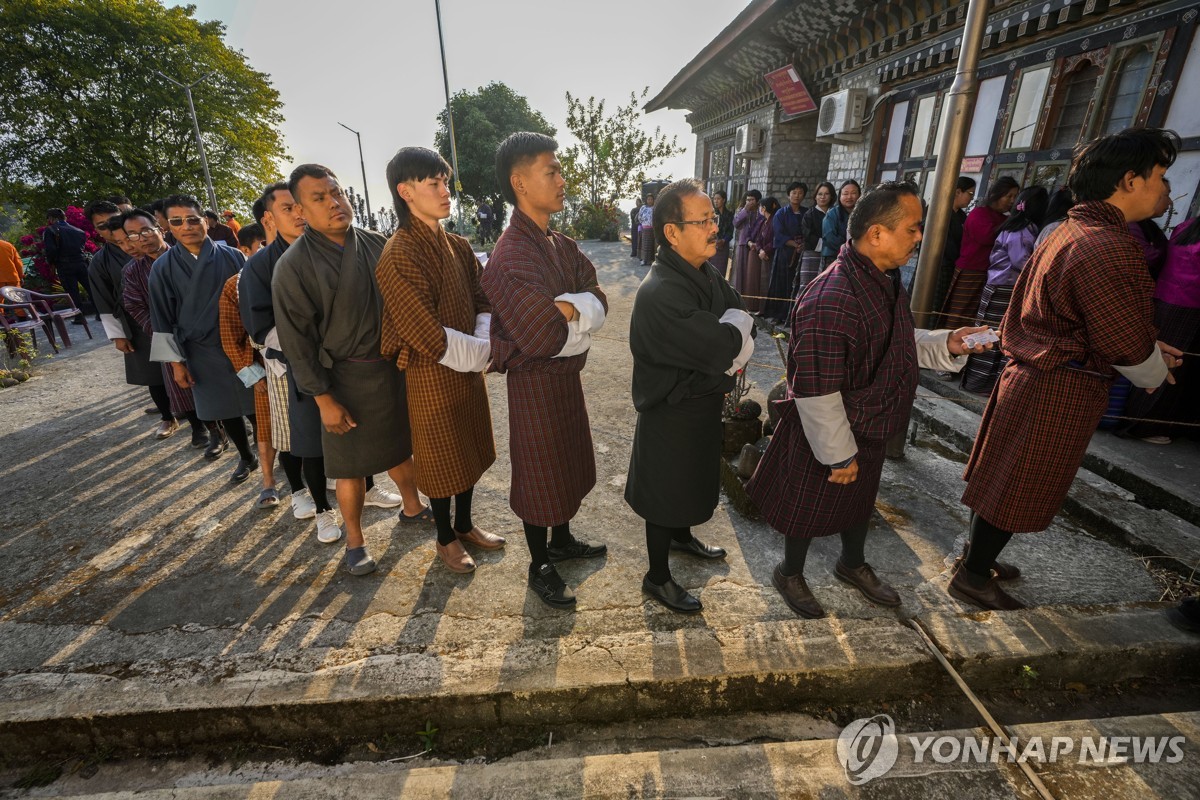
pixel 868 748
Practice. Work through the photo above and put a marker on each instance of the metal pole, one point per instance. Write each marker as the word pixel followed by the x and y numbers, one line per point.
pixel 366 191
pixel 951 145
pixel 437 6
pixel 187 90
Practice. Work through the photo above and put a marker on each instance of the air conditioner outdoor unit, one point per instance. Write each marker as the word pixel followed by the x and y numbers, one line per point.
pixel 749 140
pixel 841 115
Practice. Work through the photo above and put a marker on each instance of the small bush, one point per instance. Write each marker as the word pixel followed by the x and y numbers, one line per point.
pixel 597 221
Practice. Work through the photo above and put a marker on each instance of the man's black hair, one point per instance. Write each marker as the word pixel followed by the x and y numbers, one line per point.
pixel 668 207
pixel 119 200
pixel 208 212
pixel 56 214
pixel 138 212
pixel 964 184
pixel 516 151
pixel 1100 165
pixel 412 164
pixel 1030 208
pixel 1000 187
pixel 259 209
pixel 722 193
pixel 307 171
pixel 251 233
pixel 880 206
pixel 181 201
pixel 100 207
pixel 268 196
pixel 1061 201
pixel 156 206
pixel 798 185
pixel 755 193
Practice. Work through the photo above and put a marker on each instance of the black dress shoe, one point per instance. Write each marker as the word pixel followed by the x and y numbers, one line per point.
pixel 698 548
pixel 150 410
pixel 199 438
pixel 867 582
pixel 218 443
pixel 576 549
pixel 795 592
pixel 989 597
pixel 243 470
pixel 1002 571
pixel 550 588
pixel 672 595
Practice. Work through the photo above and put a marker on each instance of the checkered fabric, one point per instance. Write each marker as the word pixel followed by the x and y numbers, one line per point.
pixel 135 281
pixel 238 348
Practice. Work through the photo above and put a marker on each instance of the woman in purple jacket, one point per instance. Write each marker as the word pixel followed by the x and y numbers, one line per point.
pixel 1014 245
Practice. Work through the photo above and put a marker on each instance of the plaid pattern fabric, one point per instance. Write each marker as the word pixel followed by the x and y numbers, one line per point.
pixel 430 279
pixel 237 346
pixel 983 369
pixel 277 413
pixel 135 292
pixel 852 333
pixel 1084 297
pixel 550 440
pixel 962 299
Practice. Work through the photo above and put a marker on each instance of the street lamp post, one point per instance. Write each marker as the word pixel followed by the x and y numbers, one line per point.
pixel 366 191
pixel 437 5
pixel 187 90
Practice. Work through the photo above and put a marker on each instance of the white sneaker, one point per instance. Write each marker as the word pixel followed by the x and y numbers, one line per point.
pixel 303 505
pixel 382 498
pixel 329 528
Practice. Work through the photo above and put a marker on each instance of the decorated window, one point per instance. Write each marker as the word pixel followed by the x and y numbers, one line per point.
pixel 1026 109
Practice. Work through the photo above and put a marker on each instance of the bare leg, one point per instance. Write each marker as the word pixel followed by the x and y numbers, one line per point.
pixel 266 462
pixel 405 477
pixel 350 494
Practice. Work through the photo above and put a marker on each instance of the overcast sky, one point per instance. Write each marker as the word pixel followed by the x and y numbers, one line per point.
pixel 375 65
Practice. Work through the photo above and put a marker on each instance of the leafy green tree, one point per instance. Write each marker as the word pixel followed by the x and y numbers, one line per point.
pixel 85 113
pixel 483 119
pixel 612 152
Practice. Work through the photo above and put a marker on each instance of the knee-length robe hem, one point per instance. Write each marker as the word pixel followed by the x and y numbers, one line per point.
pixel 106 285
pixel 429 279
pixel 135 292
pixel 550 438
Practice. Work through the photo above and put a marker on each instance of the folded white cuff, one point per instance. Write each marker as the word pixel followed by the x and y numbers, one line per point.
pixel 827 428
pixel 164 348
pixel 483 325
pixel 251 374
pixel 591 310
pixel 113 328
pixel 738 319
pixel 743 356
pixel 465 353
pixel 1149 374
pixel 577 341
pixel 933 353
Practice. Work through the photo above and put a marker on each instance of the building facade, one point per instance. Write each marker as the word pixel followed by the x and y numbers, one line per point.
pixel 1051 74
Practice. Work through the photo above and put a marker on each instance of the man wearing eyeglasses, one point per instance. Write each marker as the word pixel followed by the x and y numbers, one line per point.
pixel 689 335
pixel 185 286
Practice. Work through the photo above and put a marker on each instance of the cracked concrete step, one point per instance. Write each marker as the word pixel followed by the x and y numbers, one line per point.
pixel 697 671
pixel 922 768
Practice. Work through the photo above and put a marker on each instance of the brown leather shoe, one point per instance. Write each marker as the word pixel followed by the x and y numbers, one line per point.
pixel 482 539
pixel 166 429
pixel 455 557
pixel 1002 571
pixel 796 594
pixel 866 581
pixel 990 597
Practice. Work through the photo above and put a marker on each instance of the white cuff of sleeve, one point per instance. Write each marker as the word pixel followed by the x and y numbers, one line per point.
pixel 251 374
pixel 740 320
pixel 827 428
pixel 483 325
pixel 271 340
pixel 743 356
pixel 164 348
pixel 112 327
pixel 465 353
pixel 932 351
pixel 591 310
pixel 577 341
pixel 1149 374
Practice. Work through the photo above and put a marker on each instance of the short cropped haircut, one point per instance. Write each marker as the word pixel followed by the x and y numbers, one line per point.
pixel 258 209
pixel 119 200
pixel 880 206
pixel 268 196
pixel 964 184
pixel 249 234
pixel 1099 165
pixel 517 150
pixel 307 171
pixel 798 185
pixel 56 213
pixel 669 207
pixel 1000 187
pixel 181 201
pixel 155 206
pixel 721 193
pixel 208 212
pixel 139 212
pixel 99 207
pixel 755 193
pixel 412 164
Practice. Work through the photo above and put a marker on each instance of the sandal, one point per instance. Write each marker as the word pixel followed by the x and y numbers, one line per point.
pixel 425 515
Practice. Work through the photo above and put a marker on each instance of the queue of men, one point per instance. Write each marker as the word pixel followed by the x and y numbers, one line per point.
pixel 354 355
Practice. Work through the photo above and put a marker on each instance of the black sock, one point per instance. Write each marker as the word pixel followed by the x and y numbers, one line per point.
pixel 294 469
pixel 681 535
pixel 462 511
pixel 252 431
pixel 560 535
pixel 162 402
pixel 370 479
pixel 986 543
pixel 194 421
pixel 658 548
pixel 314 477
pixel 852 546
pixel 235 429
pixel 441 516
pixel 535 537
pixel 795 551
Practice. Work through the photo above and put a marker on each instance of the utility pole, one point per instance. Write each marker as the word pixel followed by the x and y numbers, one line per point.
pixel 187 90
pixel 437 6
pixel 366 191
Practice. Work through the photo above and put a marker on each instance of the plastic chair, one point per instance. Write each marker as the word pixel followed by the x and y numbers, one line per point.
pixel 16 294
pixel 16 325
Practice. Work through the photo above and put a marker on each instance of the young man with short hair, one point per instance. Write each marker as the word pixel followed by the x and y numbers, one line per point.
pixel 62 245
pixel 251 238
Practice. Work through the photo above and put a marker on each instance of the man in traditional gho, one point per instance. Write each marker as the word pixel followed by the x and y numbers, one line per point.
pixel 1081 311
pixel 689 336
pixel 104 286
pixel 185 289
pixel 435 330
pixel 140 237
pixel 546 304
pixel 327 311
pixel 852 368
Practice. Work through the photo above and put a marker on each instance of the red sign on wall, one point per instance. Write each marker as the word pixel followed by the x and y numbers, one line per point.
pixel 791 91
pixel 972 164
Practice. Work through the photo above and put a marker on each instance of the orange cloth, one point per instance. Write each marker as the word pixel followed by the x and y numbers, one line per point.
pixel 233 224
pixel 11 266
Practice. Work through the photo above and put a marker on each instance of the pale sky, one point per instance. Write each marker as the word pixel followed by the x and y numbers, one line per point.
pixel 375 65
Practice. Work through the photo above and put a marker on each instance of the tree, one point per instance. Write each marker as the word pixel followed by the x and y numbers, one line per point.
pixel 483 119
pixel 86 114
pixel 612 152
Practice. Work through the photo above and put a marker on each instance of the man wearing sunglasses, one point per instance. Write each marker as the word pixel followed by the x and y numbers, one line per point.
pixel 185 286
